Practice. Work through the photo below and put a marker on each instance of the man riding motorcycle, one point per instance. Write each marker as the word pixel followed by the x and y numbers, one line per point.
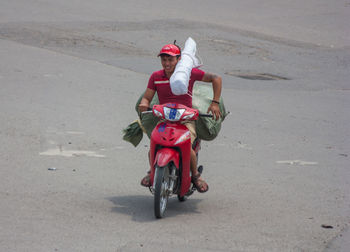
pixel 160 82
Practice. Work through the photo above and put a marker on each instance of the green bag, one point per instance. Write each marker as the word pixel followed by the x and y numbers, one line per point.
pixel 148 121
pixel 207 129
pixel 133 133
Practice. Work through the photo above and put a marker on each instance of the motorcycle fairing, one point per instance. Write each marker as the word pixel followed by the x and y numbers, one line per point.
pixel 165 134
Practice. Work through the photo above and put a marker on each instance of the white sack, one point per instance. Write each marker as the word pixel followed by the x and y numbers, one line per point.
pixel 182 73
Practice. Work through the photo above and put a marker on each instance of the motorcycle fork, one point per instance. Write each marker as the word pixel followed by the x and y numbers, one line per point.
pixel 172 177
pixel 173 182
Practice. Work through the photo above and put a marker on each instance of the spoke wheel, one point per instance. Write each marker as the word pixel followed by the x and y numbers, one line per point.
pixel 161 188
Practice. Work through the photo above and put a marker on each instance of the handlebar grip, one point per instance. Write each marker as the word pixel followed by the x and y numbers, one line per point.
pixel 148 111
pixel 205 115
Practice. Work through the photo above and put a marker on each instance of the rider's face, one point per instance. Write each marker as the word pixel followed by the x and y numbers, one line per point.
pixel 169 63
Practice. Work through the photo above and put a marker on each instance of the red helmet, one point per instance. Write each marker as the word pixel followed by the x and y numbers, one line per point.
pixel 170 49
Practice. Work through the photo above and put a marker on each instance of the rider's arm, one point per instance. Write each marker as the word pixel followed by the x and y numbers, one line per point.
pixel 146 99
pixel 217 86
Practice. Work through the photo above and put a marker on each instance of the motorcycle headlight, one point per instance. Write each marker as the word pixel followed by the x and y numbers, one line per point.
pixel 173 114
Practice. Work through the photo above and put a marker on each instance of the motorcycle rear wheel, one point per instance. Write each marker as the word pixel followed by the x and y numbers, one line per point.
pixel 181 198
pixel 161 188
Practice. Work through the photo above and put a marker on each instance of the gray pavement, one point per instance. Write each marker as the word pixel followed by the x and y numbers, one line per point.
pixel 70 74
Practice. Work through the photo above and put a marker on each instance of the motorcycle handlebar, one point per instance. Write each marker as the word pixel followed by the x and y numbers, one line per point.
pixel 205 115
pixel 149 110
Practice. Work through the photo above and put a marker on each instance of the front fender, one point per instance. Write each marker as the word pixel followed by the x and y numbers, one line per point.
pixel 165 156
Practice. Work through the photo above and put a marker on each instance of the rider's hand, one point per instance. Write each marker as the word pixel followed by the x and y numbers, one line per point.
pixel 143 107
pixel 215 110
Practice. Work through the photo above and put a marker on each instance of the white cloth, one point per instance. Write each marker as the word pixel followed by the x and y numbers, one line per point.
pixel 182 73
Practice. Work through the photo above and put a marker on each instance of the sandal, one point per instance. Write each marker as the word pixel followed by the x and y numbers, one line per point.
pixel 199 183
pixel 146 181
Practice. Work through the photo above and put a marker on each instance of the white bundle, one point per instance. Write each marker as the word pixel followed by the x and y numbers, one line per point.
pixel 181 76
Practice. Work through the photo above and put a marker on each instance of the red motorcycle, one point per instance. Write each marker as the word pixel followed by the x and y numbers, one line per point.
pixel 170 154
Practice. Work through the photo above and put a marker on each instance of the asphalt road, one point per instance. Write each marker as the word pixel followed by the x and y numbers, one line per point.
pixel 70 75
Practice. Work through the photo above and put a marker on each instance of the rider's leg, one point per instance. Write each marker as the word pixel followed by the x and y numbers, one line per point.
pixel 194 170
pixel 146 181
pixel 192 128
pixel 201 185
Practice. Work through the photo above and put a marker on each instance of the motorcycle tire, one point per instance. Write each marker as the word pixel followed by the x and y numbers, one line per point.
pixel 161 187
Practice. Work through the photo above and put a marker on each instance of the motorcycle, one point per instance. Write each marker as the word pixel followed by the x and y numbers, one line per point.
pixel 170 154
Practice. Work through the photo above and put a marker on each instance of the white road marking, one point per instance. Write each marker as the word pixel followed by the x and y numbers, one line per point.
pixel 75 132
pixel 296 162
pixel 70 153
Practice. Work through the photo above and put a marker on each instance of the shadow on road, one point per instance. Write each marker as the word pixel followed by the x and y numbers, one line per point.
pixel 140 207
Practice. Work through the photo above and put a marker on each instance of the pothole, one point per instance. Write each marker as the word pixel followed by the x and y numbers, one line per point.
pixel 257 76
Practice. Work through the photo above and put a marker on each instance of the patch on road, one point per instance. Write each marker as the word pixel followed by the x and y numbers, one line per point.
pixel 257 76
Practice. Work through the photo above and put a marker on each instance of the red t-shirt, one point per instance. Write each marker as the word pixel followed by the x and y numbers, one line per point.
pixel 160 83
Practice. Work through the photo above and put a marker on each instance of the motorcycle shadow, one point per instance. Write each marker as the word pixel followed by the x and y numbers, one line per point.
pixel 140 207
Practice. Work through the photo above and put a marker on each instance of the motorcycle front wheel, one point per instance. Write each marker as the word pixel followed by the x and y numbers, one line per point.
pixel 161 188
